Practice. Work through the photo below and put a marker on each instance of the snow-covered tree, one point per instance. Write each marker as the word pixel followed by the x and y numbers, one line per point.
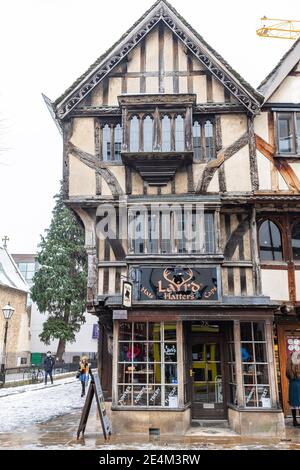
pixel 59 285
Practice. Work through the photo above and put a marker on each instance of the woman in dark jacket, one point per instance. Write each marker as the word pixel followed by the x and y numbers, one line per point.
pixel 293 374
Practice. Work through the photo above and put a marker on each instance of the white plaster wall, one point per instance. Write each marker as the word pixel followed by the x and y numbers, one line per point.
pixel 296 168
pixel 264 172
pixel 83 134
pixel 182 57
pixel 82 180
pixel 261 126
pixel 275 284
pixel 23 339
pixel 233 127
pixel 114 90
pixel 282 184
pixel 237 171
pixel 168 50
pixel 213 186
pixel 151 49
pixel 134 60
pixel 288 92
pixel 217 91
pixel 297 279
pixel 199 84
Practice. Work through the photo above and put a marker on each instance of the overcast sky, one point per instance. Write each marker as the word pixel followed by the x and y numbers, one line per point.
pixel 47 44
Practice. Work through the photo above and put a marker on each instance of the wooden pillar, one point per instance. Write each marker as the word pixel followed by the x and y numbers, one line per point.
pixel 238 363
pixel 271 365
pixel 180 363
pixel 254 254
pixel 115 363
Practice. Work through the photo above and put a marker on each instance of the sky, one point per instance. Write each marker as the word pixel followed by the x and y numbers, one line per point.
pixel 48 44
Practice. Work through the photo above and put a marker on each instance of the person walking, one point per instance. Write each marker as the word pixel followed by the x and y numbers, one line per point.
pixel 48 366
pixel 293 374
pixel 84 373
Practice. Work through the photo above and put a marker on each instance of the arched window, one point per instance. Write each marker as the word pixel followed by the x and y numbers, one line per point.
pixel 270 244
pixel 197 140
pixel 118 142
pixel 296 241
pixel 209 141
pixel 179 134
pixel 134 134
pixel 148 134
pixel 106 143
pixel 166 134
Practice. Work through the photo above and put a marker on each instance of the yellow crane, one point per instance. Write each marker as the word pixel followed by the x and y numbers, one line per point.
pixel 276 28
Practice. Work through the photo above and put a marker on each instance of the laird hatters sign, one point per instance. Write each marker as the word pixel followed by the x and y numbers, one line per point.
pixel 175 283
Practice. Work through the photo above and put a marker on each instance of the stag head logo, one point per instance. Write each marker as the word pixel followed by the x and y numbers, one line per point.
pixel 178 277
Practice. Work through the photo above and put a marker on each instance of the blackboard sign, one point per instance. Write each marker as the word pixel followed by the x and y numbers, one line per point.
pixel 101 407
pixel 174 283
pixel 95 389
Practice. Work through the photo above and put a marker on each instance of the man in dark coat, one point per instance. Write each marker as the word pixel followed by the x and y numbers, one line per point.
pixel 48 366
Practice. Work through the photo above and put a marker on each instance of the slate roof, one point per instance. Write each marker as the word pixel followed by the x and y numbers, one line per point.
pixel 10 275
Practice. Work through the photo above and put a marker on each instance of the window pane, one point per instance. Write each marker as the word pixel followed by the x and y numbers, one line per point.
pixel 296 241
pixel 171 374
pixel 134 134
pixel 260 352
pixel 118 142
pixel 140 374
pixel 259 331
pixel 154 373
pixel 285 133
pixel 209 141
pixel 155 396
pixel 154 352
pixel 246 331
pixel 148 134
pixel 197 140
pixel 247 352
pixel 250 396
pixel 106 143
pixel 165 223
pixel 124 352
pixel 140 395
pixel 166 134
pixel 264 397
pixel 171 397
pixel 249 373
pixel 125 395
pixel 262 374
pixel 137 352
pixel 270 242
pixel 140 331
pixel 153 232
pixel 154 331
pixel 170 331
pixel 209 233
pixel 125 330
pixel 179 134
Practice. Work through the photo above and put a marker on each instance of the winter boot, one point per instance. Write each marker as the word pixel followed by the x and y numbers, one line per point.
pixel 295 422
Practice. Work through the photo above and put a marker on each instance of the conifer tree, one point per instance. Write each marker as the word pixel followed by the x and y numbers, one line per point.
pixel 59 285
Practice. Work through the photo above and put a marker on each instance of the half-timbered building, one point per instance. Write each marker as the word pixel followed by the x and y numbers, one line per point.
pixel 167 155
pixel 277 204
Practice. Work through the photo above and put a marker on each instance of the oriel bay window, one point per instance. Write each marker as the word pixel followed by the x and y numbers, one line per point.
pixel 171 230
pixel 288 133
pixel 147 364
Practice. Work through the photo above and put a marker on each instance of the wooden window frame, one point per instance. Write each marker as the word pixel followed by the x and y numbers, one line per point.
pixel 295 153
pixel 201 120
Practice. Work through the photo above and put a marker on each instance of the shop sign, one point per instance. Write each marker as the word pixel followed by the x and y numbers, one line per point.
pixel 119 314
pixel 127 294
pixel 95 334
pixel 175 283
pixel 292 345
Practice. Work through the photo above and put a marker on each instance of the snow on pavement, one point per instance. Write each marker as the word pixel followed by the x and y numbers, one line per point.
pixel 21 407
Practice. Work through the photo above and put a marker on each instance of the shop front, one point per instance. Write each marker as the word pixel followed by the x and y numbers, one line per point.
pixel 169 369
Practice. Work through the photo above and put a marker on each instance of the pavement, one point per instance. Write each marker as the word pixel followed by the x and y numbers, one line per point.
pixel 59 433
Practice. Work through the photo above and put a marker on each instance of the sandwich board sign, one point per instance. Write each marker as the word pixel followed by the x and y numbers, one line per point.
pixel 95 388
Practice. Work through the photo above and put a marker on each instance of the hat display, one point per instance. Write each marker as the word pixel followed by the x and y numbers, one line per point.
pixel 295 358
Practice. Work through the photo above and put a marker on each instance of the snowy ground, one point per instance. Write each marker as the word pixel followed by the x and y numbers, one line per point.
pixel 29 404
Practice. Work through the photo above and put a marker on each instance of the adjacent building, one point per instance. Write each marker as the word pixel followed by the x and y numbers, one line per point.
pixel 86 339
pixel 13 291
pixel 171 160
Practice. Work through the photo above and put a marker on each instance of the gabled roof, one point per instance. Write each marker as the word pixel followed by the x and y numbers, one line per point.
pixel 10 275
pixel 280 72
pixel 160 11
